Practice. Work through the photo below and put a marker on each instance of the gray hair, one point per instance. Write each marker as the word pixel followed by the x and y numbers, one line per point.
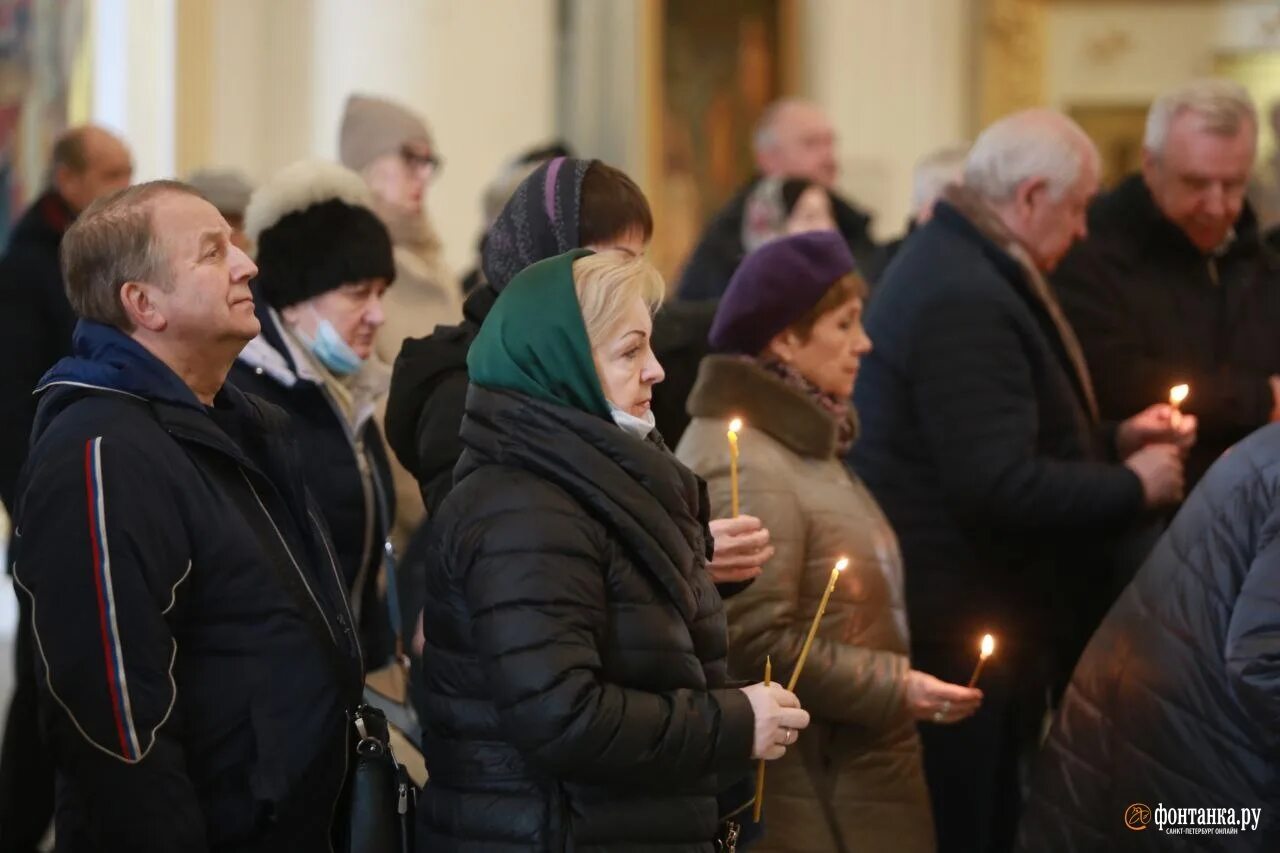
pixel 1223 105
pixel 933 172
pixel 111 243
pixel 1036 143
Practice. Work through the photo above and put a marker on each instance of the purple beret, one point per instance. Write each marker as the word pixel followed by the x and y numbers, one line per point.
pixel 775 286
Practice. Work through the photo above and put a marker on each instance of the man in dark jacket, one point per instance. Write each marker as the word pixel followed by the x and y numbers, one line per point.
pixel 1176 702
pixel 35 319
pixel 196 653
pixel 1174 284
pixel 794 139
pixel 35 331
pixel 981 440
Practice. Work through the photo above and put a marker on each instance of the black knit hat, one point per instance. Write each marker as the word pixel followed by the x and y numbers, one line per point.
pixel 314 233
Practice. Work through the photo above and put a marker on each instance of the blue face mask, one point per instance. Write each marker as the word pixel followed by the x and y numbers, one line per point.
pixel 331 350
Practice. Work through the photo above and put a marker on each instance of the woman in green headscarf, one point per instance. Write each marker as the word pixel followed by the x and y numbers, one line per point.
pixel 574 665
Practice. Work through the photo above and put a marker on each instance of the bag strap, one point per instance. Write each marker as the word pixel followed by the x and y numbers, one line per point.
pixel 390 565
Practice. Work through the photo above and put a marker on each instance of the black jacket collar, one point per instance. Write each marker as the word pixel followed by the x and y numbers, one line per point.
pixel 1129 214
pixel 653 504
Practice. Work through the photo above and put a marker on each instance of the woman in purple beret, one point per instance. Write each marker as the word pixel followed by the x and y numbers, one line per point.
pixel 788 339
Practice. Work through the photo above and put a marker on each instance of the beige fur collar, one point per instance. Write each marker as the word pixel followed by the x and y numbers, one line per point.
pixel 732 386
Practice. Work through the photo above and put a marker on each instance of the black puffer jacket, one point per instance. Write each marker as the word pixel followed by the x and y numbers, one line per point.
pixel 1176 702
pixel 428 391
pixel 355 493
pixel 575 659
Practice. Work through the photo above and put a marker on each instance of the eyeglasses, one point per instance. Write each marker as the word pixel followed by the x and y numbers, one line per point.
pixel 414 159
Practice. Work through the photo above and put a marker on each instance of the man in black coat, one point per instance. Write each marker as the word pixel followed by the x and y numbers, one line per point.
pixel 981 440
pixel 1174 284
pixel 35 318
pixel 1176 702
pixel 35 331
pixel 794 139
pixel 196 652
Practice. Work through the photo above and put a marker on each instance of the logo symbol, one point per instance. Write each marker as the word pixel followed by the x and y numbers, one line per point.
pixel 1137 816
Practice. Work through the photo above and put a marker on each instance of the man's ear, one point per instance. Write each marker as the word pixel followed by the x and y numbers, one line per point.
pixel 1028 194
pixel 137 298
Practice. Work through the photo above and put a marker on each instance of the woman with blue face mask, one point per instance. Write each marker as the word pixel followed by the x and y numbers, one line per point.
pixel 324 264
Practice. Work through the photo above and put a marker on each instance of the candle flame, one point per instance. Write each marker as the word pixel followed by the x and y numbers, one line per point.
pixel 1178 393
pixel 735 425
pixel 988 646
pixel 842 564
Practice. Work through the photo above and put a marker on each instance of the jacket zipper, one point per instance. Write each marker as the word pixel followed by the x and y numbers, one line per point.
pixel 337 578
pixel 289 551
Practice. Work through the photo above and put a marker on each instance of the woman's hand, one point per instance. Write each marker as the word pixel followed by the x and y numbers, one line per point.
pixel 936 701
pixel 742 547
pixel 779 719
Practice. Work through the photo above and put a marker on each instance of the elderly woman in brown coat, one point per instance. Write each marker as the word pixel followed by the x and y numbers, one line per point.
pixel 788 336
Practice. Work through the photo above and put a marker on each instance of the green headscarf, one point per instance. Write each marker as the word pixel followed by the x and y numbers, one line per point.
pixel 534 340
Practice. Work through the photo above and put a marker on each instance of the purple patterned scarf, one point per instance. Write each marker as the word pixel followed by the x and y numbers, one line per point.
pixel 840 409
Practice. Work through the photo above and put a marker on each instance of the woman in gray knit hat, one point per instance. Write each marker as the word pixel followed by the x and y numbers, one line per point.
pixel 393 150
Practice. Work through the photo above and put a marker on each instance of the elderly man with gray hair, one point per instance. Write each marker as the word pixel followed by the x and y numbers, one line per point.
pixel 793 139
pixel 982 441
pixel 1173 284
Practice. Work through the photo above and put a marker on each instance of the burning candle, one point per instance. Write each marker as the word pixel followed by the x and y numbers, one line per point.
pixel 841 565
pixel 735 426
pixel 759 807
pixel 988 646
pixel 1177 394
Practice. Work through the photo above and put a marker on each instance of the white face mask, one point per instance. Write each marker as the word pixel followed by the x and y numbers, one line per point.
pixel 629 423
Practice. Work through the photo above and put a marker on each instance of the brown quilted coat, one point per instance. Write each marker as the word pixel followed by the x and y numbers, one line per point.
pixel 854 782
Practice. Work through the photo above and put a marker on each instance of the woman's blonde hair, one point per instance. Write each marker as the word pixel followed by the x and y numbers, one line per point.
pixel 607 282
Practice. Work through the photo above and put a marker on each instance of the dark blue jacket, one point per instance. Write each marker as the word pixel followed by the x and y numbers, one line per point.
pixel 355 493
pixel 165 553
pixel 977 444
pixel 1176 701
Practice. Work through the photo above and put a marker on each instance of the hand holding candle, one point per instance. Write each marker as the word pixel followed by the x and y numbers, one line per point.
pixel 735 427
pixel 840 566
pixel 988 648
pixel 759 807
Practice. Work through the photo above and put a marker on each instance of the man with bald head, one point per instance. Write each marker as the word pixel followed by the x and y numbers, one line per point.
pixel 1174 284
pixel 36 321
pixel 982 441
pixel 793 139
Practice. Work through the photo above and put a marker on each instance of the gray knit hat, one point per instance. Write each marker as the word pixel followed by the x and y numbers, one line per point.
pixel 372 127
pixel 226 189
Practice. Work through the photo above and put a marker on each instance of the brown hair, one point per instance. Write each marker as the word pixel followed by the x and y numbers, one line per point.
pixel 611 206
pixel 848 286
pixel 111 243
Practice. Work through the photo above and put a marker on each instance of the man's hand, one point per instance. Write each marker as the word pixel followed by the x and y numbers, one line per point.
pixel 742 547
pixel 1158 424
pixel 1159 467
